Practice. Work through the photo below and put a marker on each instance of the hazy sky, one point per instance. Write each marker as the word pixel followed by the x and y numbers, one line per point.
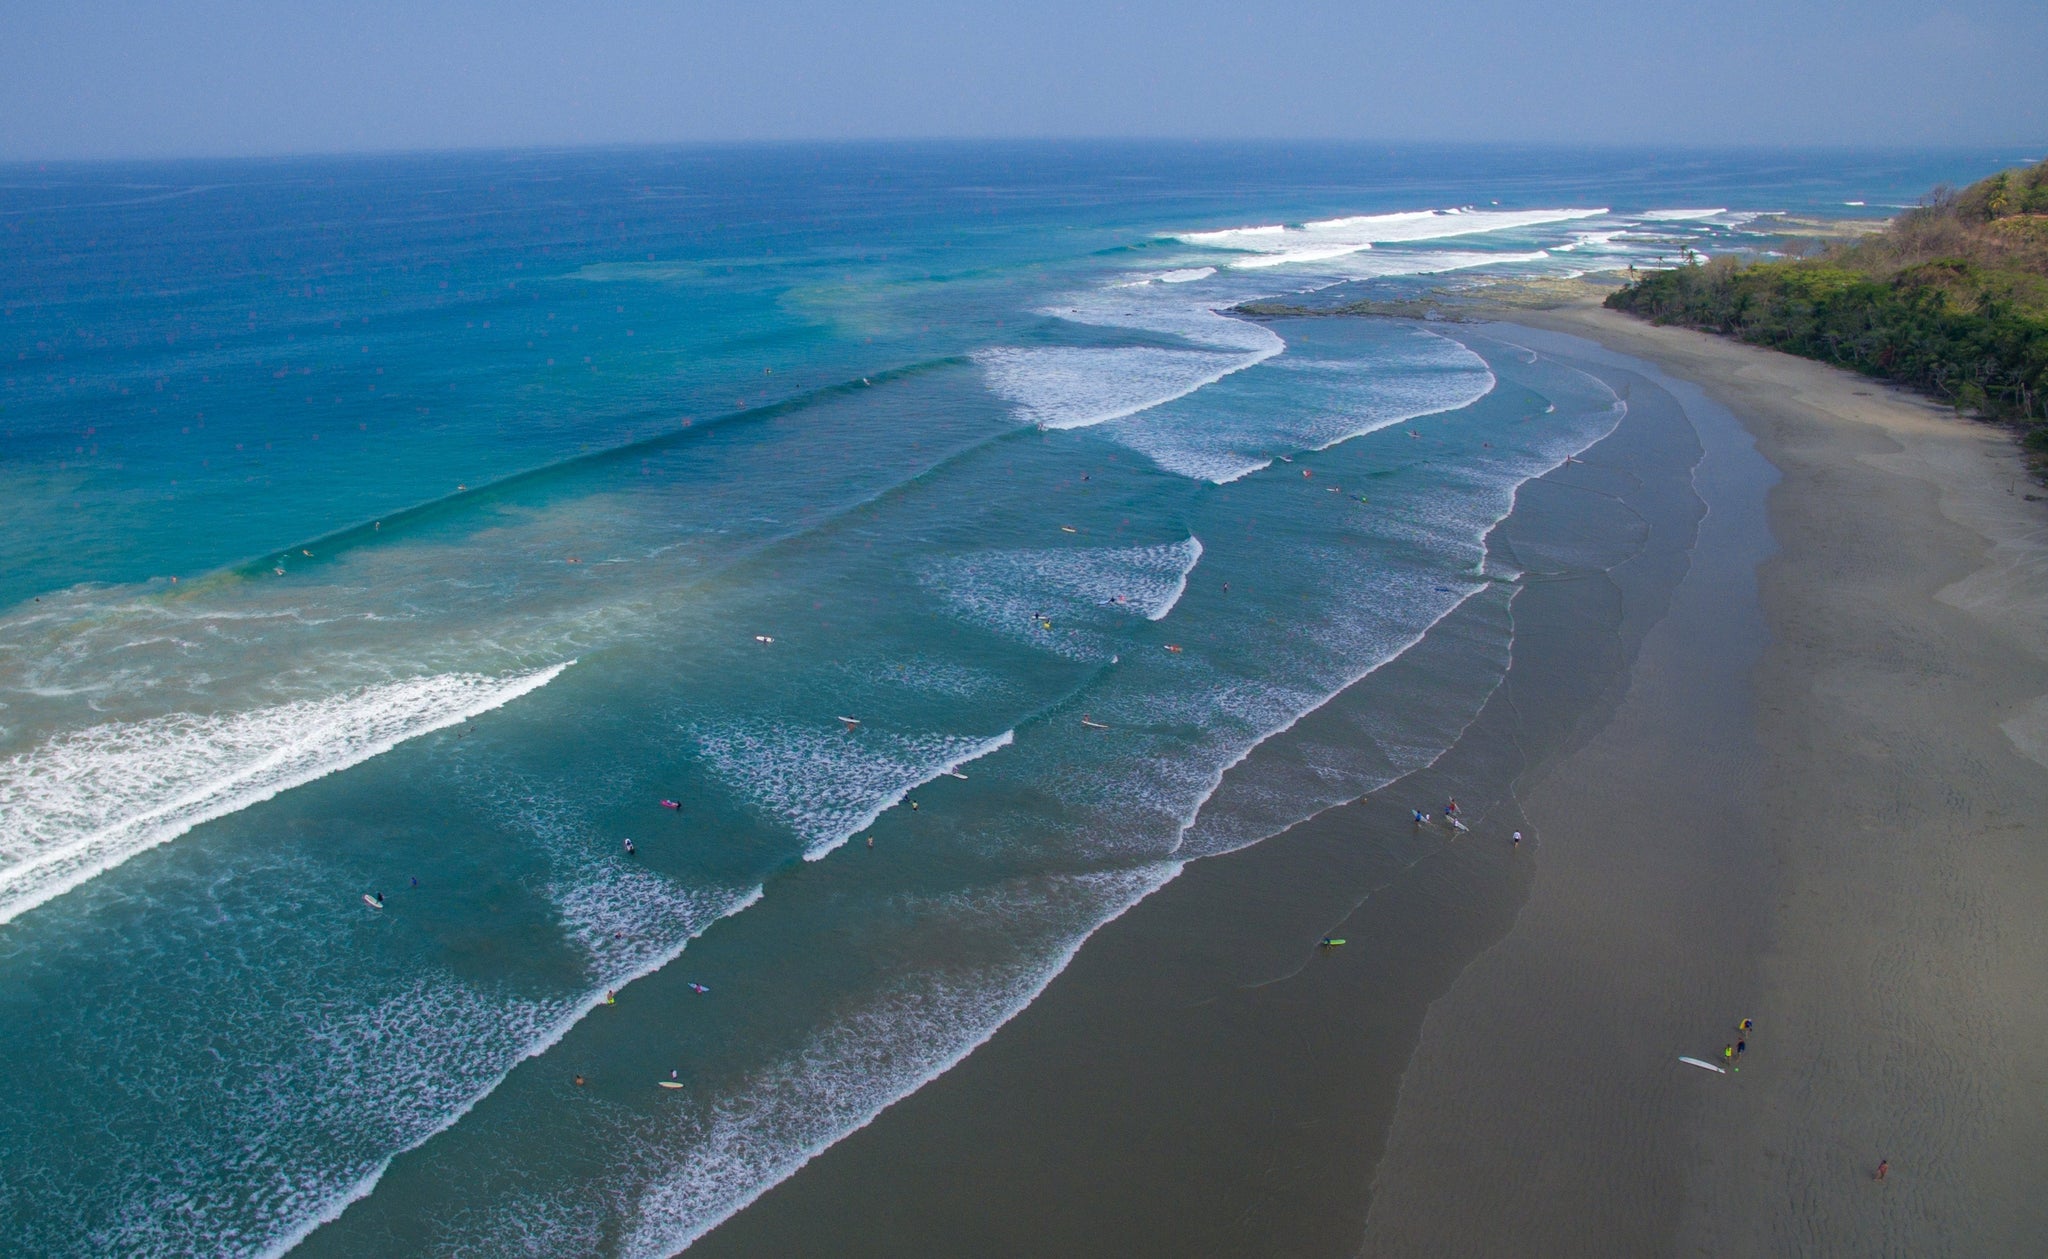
pixel 93 78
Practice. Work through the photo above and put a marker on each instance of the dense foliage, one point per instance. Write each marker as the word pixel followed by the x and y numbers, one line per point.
pixel 1951 298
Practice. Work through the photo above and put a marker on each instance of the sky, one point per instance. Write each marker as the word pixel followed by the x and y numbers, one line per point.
pixel 104 78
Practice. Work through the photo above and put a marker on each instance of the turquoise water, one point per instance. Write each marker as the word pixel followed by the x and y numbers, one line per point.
pixel 507 497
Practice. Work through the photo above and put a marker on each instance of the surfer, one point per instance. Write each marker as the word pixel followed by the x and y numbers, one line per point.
pixel 699 988
pixel 415 880
pixel 1451 808
pixel 579 1081
pixel 611 997
pixel 630 850
pixel 672 804
pixel 1420 816
pixel 1518 839
pixel 378 897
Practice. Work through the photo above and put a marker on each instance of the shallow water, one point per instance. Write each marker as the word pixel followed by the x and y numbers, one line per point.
pixel 485 479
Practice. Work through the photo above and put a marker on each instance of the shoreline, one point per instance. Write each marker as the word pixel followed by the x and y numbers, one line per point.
pixel 1201 1079
pixel 1231 1100
pixel 1899 707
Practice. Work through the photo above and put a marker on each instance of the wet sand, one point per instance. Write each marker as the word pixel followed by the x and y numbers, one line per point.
pixel 1203 1079
pixel 1781 783
pixel 1892 949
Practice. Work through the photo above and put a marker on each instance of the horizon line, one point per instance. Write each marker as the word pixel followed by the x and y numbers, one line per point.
pixel 935 141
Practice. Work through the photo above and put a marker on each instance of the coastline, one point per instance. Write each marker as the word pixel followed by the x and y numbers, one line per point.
pixel 1800 797
pixel 1202 1079
pixel 1897 710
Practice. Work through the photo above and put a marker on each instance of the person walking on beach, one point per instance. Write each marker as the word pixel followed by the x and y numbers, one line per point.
pixel 1727 1053
pixel 1741 1048
pixel 1518 839
pixel 1883 1165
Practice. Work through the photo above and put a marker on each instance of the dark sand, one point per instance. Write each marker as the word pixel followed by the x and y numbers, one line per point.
pixel 1810 794
pixel 1202 1080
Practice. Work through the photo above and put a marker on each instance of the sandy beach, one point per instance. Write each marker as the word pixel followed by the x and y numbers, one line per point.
pixel 1776 734
pixel 1843 846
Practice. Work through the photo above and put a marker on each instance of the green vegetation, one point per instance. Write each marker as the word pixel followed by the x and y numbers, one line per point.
pixel 1951 298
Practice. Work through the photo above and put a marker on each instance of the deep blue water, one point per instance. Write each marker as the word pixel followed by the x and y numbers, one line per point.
pixel 418 525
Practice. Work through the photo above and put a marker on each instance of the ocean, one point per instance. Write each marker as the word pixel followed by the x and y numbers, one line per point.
pixel 899 545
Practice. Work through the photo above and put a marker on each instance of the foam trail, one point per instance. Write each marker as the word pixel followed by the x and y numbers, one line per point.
pixel 1180 587
pixel 1061 387
pixel 1343 400
pixel 828 786
pixel 818 851
pixel 331 1209
pixel 1321 240
pixel 85 802
pixel 849 1074
pixel 1014 592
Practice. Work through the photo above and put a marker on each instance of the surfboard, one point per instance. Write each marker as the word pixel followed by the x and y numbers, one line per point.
pixel 763 638
pixel 1331 944
pixel 371 901
pixel 1068 529
pixel 954 773
pixel 1093 725
pixel 670 1084
pixel 851 722
pixel 1456 825
pixel 1704 1066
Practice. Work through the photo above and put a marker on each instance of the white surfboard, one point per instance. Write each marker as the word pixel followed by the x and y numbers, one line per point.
pixel 670 1084
pixel 1704 1066
pixel 371 901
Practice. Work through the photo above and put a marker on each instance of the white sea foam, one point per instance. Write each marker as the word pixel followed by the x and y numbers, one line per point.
pixel 1079 590
pixel 829 785
pixel 464 1043
pixel 89 800
pixel 1225 438
pixel 1322 240
pixel 1062 387
pixel 1187 274
pixel 873 1056
pixel 1680 216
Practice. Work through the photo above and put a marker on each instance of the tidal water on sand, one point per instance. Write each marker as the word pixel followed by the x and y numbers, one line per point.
pixel 538 692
